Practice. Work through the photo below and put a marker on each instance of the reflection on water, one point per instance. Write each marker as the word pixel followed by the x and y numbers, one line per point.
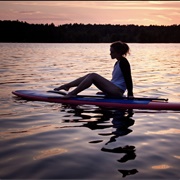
pixel 162 166
pixel 121 121
pixel 111 125
pixel 169 131
pixel 48 153
pixel 25 132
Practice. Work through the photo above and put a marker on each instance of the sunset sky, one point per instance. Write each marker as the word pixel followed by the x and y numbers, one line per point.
pixel 93 12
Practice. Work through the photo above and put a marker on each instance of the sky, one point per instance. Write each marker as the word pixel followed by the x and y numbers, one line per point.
pixel 92 12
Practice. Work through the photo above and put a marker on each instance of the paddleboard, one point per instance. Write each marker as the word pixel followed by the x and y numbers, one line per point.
pixel 101 101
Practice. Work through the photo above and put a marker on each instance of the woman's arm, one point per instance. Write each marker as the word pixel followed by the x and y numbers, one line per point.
pixel 126 70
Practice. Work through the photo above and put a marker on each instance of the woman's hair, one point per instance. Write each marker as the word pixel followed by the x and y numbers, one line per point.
pixel 120 47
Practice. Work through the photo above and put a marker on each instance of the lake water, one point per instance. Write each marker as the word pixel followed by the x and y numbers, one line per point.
pixel 47 140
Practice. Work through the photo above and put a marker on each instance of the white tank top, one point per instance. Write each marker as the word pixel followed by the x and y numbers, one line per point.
pixel 117 77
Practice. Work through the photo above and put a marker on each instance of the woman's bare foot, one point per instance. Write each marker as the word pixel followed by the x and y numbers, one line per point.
pixel 62 87
pixel 69 95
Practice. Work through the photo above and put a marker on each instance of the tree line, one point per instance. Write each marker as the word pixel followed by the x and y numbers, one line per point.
pixel 16 31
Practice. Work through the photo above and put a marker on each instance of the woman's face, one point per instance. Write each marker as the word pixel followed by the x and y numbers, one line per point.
pixel 114 54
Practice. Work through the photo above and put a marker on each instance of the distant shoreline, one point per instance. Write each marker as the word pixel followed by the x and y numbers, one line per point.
pixel 23 32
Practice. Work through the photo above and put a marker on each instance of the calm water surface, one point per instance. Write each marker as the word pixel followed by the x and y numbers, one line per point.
pixel 47 140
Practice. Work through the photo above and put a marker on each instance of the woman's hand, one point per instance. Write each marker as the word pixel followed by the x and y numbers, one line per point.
pixel 56 89
pixel 131 97
pixel 100 93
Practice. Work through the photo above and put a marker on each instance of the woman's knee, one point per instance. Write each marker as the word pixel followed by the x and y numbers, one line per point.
pixel 93 75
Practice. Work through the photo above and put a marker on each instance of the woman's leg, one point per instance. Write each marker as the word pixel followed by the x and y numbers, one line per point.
pixel 100 82
pixel 71 84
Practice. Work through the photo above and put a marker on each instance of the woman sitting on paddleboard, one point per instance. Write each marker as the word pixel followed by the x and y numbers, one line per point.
pixel 121 76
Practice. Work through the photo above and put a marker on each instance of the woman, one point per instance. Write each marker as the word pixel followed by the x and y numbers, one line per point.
pixel 121 76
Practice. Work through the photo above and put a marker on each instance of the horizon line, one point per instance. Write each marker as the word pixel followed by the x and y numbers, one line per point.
pixel 88 24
